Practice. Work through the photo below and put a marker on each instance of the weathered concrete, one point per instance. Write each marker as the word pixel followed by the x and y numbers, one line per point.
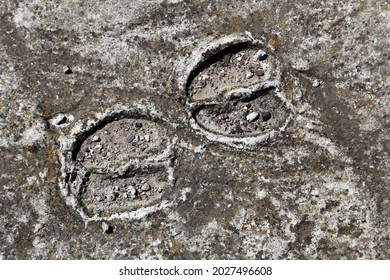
pixel 314 185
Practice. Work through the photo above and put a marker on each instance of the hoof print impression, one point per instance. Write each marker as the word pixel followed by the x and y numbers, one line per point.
pixel 234 94
pixel 118 168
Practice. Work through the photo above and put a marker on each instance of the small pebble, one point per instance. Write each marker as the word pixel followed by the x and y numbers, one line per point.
pixel 107 228
pixel 249 74
pixel 317 83
pixel 265 116
pixel 260 55
pixel 132 190
pixel 147 138
pixel 60 119
pixel 99 198
pixel 226 60
pixel 67 70
pixel 130 138
pixel 252 116
pixel 138 125
pixel 259 72
pixel 96 138
pixel 112 196
pixel 146 187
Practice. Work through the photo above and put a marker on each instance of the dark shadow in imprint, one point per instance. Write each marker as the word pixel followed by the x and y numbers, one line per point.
pixel 229 106
pixel 256 114
pixel 214 57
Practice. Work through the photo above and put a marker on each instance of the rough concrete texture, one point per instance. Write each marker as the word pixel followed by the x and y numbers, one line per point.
pixel 313 185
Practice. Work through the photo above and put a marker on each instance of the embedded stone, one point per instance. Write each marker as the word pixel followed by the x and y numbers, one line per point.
pixel 132 190
pixel 107 228
pixel 259 72
pixel 248 74
pixel 146 187
pixel 265 116
pixel 130 138
pixel 252 116
pixel 260 55
pixel 67 70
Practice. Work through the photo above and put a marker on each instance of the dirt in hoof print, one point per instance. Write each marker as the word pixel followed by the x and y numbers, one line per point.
pixel 231 68
pixel 104 195
pixel 259 114
pixel 120 165
pixel 234 92
pixel 120 140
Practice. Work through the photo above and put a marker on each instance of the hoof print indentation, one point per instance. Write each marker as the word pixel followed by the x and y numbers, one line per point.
pixel 234 94
pixel 118 167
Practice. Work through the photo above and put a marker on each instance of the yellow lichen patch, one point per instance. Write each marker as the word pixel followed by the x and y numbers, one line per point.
pixel 2 104
pixel 272 42
pixel 51 156
pixel 105 214
pixel 68 90
pixel 342 92
pixel 56 201
pixel 52 174
pixel 289 96
pixel 44 106
pixel 176 248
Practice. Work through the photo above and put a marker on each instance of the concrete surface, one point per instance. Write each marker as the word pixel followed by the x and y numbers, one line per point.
pixel 314 185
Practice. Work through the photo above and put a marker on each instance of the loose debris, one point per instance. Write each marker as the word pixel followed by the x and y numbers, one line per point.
pixel 119 140
pixel 105 194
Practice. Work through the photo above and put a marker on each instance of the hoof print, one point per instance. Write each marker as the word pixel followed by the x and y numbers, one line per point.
pixel 117 167
pixel 234 94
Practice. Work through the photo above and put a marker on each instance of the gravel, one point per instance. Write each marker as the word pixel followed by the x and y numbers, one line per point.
pixel 146 187
pixel 130 138
pixel 107 228
pixel 265 116
pixel 252 116
pixel 260 55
